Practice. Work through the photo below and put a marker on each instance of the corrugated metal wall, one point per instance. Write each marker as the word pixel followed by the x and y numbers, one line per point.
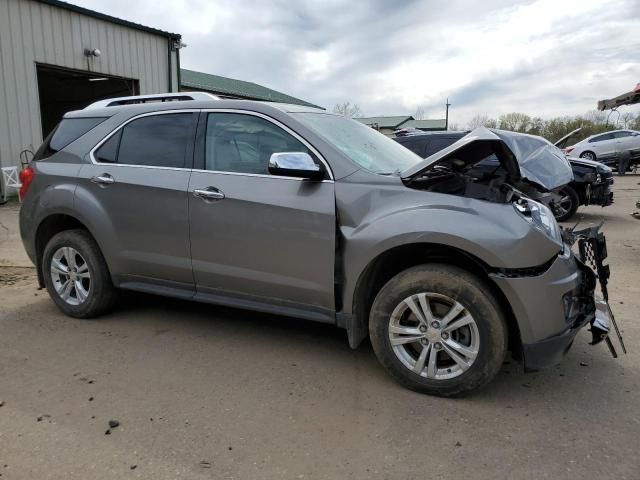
pixel 32 32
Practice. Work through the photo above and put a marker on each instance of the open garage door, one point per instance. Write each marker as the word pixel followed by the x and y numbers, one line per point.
pixel 62 90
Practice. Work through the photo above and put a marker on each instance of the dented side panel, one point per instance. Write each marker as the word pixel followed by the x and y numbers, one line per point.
pixel 375 220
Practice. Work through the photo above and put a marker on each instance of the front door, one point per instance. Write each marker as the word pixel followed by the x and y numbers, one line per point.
pixel 257 238
pixel 138 179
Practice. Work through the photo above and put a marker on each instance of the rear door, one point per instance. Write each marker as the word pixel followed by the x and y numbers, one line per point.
pixel 134 196
pixel 604 146
pixel 624 141
pixel 258 238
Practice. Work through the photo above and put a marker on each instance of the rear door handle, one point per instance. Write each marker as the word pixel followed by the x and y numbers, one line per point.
pixel 209 193
pixel 104 179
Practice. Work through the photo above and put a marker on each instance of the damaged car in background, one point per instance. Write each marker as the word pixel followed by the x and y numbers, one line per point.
pixel 444 267
pixel 590 184
pixel 592 181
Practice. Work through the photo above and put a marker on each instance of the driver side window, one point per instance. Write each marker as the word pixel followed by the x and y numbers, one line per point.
pixel 240 143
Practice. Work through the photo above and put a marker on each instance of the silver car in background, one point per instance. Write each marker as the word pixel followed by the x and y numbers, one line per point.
pixel 609 147
pixel 294 211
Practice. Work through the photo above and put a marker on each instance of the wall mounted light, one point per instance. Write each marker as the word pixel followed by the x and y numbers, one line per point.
pixel 92 52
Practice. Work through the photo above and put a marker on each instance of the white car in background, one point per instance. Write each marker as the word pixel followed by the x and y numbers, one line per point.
pixel 608 147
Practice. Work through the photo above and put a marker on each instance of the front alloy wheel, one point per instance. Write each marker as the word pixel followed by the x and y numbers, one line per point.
pixel 434 335
pixel 568 204
pixel 438 329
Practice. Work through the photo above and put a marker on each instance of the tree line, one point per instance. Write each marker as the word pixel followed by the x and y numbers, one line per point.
pixel 553 129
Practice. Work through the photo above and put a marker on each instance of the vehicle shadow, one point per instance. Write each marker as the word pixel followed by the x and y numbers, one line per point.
pixel 586 371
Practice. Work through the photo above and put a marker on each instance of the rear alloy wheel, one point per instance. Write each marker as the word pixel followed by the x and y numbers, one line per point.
pixel 588 156
pixel 438 329
pixel 76 275
pixel 70 275
pixel 568 204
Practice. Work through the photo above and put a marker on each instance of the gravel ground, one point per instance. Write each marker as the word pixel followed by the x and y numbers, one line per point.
pixel 206 392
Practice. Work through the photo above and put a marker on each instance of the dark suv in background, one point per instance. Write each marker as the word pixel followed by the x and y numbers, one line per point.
pixel 591 183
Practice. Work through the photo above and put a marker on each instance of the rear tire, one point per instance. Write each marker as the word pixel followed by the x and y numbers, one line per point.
pixel 76 275
pixel 399 337
pixel 588 155
pixel 568 205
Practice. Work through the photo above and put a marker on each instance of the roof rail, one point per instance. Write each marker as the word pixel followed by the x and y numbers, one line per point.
pixel 160 97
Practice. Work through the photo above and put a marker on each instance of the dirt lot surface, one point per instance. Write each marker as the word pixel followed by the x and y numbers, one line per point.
pixel 205 392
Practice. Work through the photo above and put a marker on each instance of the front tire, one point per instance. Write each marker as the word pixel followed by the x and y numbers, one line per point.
pixel 437 329
pixel 76 275
pixel 568 204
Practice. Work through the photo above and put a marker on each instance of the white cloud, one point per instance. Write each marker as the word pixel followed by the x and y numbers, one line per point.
pixel 542 57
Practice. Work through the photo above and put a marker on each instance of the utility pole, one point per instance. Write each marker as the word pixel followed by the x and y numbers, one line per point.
pixel 446 118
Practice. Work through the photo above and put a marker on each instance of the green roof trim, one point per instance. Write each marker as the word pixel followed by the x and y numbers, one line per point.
pixel 385 122
pixel 109 18
pixel 434 124
pixel 190 79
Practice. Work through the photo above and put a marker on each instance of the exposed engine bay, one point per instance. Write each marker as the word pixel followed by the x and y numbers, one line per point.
pixel 494 165
pixel 478 171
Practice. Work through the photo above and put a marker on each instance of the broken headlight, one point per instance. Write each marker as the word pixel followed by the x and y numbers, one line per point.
pixel 540 217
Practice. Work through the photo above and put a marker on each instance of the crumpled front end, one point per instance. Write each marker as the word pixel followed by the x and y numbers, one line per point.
pixel 552 306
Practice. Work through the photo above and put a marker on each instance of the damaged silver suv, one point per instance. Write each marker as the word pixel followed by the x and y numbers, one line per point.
pixel 294 211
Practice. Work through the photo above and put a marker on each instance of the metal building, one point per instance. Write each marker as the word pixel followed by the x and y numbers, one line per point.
pixel 56 57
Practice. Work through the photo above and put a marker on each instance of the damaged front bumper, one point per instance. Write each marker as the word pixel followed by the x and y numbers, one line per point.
pixel 600 193
pixel 551 307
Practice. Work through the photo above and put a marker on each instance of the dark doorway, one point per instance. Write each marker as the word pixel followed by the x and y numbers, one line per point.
pixel 62 90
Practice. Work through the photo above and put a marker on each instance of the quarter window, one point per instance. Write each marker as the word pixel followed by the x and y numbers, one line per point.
pixel 158 141
pixel 242 143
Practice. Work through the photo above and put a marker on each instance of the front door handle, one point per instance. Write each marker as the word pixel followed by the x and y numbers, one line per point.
pixel 209 193
pixel 104 179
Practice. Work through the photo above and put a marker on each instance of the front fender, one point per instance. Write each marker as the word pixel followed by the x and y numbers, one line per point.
pixel 491 232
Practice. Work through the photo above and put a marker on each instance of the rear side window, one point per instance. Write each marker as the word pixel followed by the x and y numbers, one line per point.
pixel 622 134
pixel 158 141
pixel 67 131
pixel 108 152
pixel 607 136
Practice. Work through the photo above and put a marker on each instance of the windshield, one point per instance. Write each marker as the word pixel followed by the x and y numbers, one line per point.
pixel 362 144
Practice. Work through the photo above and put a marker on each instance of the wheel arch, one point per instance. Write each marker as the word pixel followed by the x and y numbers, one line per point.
pixel 48 227
pixel 399 258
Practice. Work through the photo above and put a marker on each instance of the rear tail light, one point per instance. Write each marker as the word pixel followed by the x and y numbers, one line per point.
pixel 568 150
pixel 26 177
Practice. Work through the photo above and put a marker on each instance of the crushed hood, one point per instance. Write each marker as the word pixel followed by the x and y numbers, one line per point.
pixel 523 156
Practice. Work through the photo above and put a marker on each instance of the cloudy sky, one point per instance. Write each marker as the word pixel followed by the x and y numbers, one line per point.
pixel 541 57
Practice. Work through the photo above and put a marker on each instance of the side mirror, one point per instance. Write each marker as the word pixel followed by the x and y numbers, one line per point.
pixel 295 164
